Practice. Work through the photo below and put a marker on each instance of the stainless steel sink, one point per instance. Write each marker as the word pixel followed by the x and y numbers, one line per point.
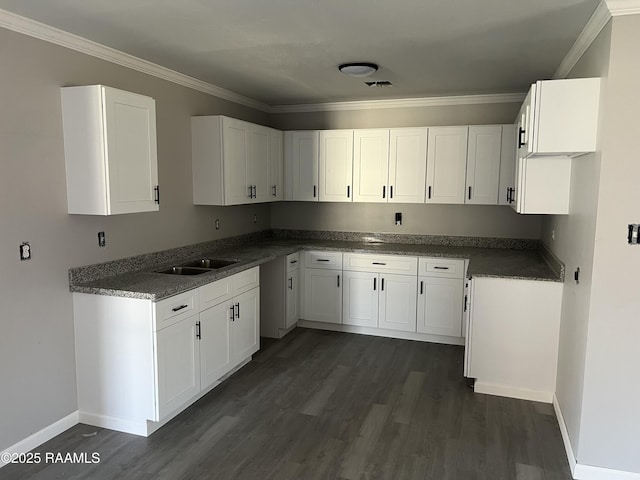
pixel 184 270
pixel 211 263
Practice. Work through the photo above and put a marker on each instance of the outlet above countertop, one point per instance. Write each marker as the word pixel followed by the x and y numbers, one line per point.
pixel 136 277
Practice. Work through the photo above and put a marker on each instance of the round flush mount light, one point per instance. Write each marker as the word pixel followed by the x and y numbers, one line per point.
pixel 358 69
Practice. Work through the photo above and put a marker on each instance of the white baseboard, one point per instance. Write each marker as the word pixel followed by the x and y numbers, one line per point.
pixel 41 436
pixel 135 427
pixel 381 332
pixel 512 392
pixel 586 472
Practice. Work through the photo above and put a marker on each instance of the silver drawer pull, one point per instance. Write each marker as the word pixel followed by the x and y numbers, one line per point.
pixel 378 263
pixel 179 308
pixel 441 268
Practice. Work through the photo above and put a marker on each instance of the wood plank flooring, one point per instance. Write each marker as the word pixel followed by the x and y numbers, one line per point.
pixel 327 405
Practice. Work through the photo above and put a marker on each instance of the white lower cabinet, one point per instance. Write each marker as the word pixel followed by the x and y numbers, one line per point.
pixel 292 299
pixel 178 359
pixel 360 299
pixel 440 296
pixel 322 295
pixel 280 305
pixel 397 302
pixel 322 299
pixel 139 362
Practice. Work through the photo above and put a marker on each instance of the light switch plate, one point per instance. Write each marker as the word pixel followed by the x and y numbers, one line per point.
pixel 633 234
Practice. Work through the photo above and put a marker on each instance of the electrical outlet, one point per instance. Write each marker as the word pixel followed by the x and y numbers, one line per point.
pixel 217 224
pixel 398 218
pixel 102 239
pixel 633 234
pixel 25 251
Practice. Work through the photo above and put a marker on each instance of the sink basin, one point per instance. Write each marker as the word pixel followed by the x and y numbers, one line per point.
pixel 184 271
pixel 210 263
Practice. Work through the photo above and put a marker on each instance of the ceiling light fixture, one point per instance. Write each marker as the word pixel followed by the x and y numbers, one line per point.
pixel 358 69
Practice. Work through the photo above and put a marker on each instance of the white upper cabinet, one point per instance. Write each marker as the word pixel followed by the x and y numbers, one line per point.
pixel 370 165
pixel 110 151
pixel 483 164
pixel 560 117
pixel 507 165
pixel 232 161
pixel 446 164
pixel 301 165
pixel 407 165
pixel 276 166
pixel 335 166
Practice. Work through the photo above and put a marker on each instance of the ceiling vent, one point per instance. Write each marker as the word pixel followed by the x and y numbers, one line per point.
pixel 379 83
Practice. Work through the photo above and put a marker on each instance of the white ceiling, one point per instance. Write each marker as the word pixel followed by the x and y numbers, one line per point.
pixel 287 51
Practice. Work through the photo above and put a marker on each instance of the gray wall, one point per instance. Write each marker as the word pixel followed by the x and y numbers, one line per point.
pixel 483 221
pixel 37 363
pixel 574 244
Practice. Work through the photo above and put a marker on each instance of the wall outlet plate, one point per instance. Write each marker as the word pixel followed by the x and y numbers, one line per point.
pixel 102 239
pixel 25 251
pixel 633 234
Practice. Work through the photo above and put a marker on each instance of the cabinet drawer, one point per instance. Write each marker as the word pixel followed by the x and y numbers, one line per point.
pixel 364 262
pixel 245 281
pixel 174 309
pixel 215 293
pixel 441 267
pixel 326 260
pixel 293 261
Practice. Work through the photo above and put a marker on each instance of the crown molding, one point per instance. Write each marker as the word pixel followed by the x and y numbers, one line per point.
pixel 26 26
pixel 594 26
pixel 623 7
pixel 401 103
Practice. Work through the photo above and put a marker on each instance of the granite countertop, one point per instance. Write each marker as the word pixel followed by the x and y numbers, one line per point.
pixel 145 283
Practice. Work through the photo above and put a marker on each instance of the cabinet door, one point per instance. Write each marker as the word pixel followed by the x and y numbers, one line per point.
pixel 507 165
pixel 440 305
pixel 407 165
pixel 178 367
pixel 130 151
pixel 336 165
pixel 527 125
pixel 304 165
pixel 292 309
pixel 446 164
pixel 235 139
pixel 322 295
pixel 258 168
pixel 276 166
pixel 398 302
pixel 370 165
pixel 215 340
pixel 483 165
pixel 245 333
pixel 361 299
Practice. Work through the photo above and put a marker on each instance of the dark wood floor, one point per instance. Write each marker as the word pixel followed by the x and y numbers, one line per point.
pixel 324 405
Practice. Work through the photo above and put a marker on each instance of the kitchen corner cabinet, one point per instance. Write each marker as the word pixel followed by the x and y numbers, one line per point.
pixel 110 151
pixel 335 163
pixel 139 362
pixel 446 164
pixel 483 165
pixel 280 309
pixel 559 117
pixel 301 165
pixel 322 300
pixel 231 161
pixel 440 296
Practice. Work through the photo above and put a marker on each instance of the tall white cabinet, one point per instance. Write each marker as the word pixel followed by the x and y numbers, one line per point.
pixel 370 165
pixel 335 163
pixel 483 164
pixel 110 151
pixel 301 165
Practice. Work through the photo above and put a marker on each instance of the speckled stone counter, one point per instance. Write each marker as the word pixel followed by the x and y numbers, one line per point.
pixel 136 277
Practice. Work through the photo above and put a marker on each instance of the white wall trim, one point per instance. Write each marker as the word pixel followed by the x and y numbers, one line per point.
pixel 623 7
pixel 401 103
pixel 41 436
pixel 512 392
pixel 50 34
pixel 586 472
pixel 594 26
